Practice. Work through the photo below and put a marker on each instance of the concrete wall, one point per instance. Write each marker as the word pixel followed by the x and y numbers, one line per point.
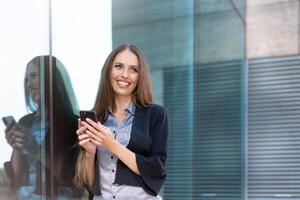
pixel 272 28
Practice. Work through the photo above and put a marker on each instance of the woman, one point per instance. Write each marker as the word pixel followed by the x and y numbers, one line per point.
pixel 124 153
pixel 44 141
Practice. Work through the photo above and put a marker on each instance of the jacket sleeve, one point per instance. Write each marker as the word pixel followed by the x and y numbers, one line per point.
pixel 17 180
pixel 152 166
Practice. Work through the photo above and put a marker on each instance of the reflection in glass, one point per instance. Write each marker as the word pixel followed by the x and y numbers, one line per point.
pixel 44 141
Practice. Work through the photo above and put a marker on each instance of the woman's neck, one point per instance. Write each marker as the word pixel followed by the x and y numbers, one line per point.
pixel 122 103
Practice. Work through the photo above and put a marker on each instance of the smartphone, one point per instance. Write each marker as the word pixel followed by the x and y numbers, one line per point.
pixel 9 121
pixel 87 114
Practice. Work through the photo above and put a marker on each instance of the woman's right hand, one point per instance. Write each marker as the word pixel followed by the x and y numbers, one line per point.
pixel 13 136
pixel 84 140
pixel 18 137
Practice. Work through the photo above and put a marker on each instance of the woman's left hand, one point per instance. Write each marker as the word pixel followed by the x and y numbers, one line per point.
pixel 100 135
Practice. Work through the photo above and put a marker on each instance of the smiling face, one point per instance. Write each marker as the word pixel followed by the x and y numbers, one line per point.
pixel 33 81
pixel 124 74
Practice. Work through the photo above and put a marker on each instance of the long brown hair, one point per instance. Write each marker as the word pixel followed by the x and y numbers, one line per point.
pixel 60 117
pixel 105 97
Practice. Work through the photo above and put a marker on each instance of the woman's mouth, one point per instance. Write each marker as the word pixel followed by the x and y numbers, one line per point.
pixel 123 83
pixel 34 91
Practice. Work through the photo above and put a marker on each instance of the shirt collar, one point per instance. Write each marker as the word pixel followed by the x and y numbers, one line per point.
pixel 130 109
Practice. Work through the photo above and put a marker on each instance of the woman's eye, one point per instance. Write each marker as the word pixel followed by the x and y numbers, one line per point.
pixel 33 74
pixel 134 69
pixel 118 66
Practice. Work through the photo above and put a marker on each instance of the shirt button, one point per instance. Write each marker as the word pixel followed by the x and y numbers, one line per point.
pixel 114 132
pixel 113 170
pixel 112 157
pixel 114 197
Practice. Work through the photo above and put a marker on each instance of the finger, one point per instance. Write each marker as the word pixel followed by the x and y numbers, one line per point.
pixel 94 136
pixel 82 123
pixel 19 140
pixel 9 131
pixel 81 130
pixel 9 134
pixel 11 138
pixel 9 127
pixel 98 126
pixel 15 135
pixel 96 142
pixel 89 127
pixel 83 137
pixel 83 142
pixel 20 131
pixel 20 134
pixel 78 123
pixel 18 145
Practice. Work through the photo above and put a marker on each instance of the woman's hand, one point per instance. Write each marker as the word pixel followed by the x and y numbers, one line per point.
pixel 100 135
pixel 12 136
pixel 20 138
pixel 84 139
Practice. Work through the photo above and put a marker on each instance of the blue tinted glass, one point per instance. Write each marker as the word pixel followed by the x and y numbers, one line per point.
pixel 196 55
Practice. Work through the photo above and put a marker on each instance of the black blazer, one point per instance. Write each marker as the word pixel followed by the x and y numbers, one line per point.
pixel 148 141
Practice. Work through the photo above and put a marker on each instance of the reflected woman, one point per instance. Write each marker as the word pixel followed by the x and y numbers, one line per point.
pixel 124 153
pixel 44 141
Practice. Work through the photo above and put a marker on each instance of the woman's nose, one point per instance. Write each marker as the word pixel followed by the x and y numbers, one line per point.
pixel 125 73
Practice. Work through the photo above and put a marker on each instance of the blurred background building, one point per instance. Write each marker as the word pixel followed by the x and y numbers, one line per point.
pixel 228 71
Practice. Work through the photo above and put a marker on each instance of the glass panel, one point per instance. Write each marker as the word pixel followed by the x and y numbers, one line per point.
pixel 219 100
pixel 196 55
pixel 81 40
pixel 24 35
pixel 196 51
pixel 164 32
pixel 60 141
